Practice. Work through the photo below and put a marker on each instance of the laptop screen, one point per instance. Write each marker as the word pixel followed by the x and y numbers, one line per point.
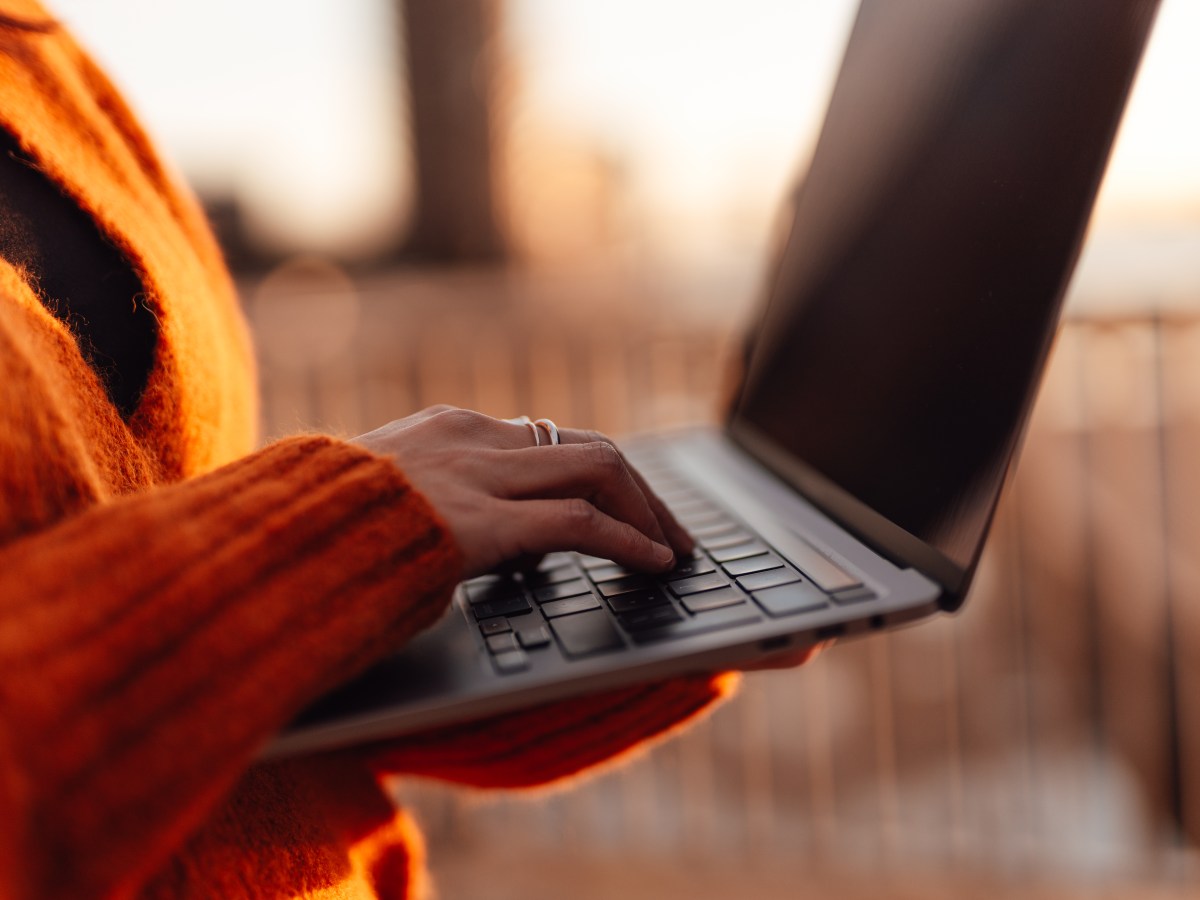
pixel 918 288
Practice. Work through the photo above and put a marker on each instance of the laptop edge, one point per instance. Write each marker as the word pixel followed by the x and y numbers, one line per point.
pixel 803 514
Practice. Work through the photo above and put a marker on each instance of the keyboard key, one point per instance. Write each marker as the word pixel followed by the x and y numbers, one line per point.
pixel 688 567
pixel 586 633
pixel 698 603
pixel 553 561
pixel 753 564
pixel 489 609
pixel 738 551
pixel 570 605
pixel 533 637
pixel 632 600
pixel 495 626
pixel 713 528
pixel 553 576
pixel 511 661
pixel 791 598
pixel 499 643
pixel 756 581
pixel 688 507
pixel 624 585
pixel 572 588
pixel 609 573
pixel 816 565
pixel 649 618
pixel 592 562
pixel 692 585
pixel 492 590
pixel 726 539
pixel 726 617
pixel 699 517
pixel 707 526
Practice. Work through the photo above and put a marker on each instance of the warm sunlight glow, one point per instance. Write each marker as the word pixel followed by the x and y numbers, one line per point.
pixel 672 125
pixel 292 106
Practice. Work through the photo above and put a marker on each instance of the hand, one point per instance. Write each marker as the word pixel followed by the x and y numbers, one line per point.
pixel 787 659
pixel 506 500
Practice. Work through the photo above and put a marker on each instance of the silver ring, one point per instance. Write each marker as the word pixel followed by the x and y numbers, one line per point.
pixel 551 429
pixel 528 422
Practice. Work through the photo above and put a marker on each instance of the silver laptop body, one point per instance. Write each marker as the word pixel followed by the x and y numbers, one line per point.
pixel 909 311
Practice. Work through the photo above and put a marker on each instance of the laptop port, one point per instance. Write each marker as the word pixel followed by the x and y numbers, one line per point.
pixel 775 643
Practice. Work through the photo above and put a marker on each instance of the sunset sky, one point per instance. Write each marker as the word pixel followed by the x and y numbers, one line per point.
pixel 707 105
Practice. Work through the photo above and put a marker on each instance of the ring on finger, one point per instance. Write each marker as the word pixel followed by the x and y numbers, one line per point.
pixel 551 430
pixel 529 423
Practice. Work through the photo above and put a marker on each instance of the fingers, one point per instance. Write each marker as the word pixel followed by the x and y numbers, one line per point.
pixel 594 472
pixel 788 659
pixel 466 424
pixel 546 526
pixel 463 461
pixel 681 542
pixel 620 489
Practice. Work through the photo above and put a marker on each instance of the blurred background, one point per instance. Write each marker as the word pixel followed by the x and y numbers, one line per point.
pixel 561 207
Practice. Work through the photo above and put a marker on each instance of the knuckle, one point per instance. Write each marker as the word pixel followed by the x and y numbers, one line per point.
pixel 577 513
pixel 605 458
pixel 595 437
pixel 461 421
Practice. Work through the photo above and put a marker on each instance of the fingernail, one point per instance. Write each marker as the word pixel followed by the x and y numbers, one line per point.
pixel 664 554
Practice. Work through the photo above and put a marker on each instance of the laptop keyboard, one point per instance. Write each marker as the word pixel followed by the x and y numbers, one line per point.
pixel 581 606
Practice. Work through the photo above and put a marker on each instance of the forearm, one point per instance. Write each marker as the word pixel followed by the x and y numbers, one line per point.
pixel 149 646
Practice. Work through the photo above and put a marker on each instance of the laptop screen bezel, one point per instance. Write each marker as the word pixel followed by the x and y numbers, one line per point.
pixel 874 529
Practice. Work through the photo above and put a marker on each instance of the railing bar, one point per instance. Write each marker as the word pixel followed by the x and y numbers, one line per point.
pixel 758 781
pixel 822 778
pixel 1088 586
pixel 1174 736
pixel 952 673
pixel 883 703
pixel 1033 829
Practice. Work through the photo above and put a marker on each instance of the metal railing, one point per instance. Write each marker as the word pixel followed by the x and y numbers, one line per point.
pixel 1051 730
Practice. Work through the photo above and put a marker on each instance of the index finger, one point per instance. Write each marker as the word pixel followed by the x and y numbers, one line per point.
pixel 680 541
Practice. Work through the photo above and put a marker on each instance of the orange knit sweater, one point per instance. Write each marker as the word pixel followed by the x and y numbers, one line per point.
pixel 169 596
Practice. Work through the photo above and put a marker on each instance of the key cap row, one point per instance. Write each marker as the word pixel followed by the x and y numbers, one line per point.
pixel 707 599
pixel 563 589
pixel 507 646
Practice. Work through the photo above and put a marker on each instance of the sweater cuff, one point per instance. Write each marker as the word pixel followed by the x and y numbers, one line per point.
pixel 559 740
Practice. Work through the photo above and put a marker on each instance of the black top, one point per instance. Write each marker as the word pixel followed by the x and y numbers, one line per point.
pixel 82 278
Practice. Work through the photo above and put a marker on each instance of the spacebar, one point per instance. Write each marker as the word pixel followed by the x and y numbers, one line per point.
pixel 585 633
pixel 726 617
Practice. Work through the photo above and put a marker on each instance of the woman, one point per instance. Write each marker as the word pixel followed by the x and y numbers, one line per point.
pixel 170 597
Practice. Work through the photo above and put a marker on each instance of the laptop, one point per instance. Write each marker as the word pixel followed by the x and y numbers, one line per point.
pixel 910 307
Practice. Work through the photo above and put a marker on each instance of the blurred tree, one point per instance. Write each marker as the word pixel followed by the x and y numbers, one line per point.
pixel 452 73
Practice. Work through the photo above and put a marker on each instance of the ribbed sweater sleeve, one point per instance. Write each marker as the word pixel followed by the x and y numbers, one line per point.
pixel 555 741
pixel 215 609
